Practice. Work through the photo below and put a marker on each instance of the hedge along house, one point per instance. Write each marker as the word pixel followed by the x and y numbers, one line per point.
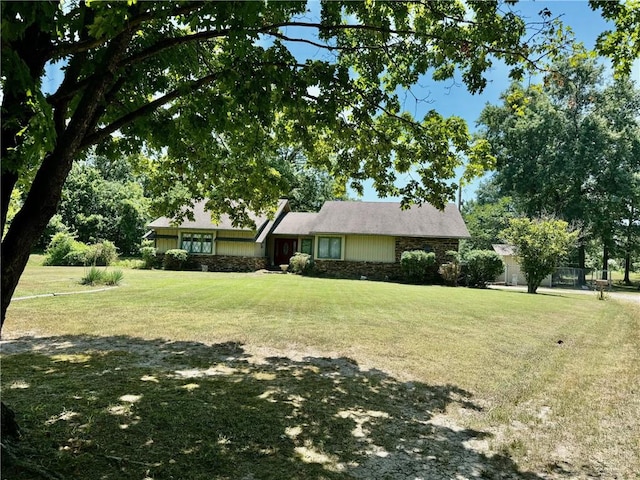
pixel 346 239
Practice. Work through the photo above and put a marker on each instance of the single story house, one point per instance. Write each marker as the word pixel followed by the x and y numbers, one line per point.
pixel 512 274
pixel 345 239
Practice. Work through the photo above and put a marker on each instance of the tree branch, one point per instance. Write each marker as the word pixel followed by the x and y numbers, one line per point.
pixel 148 108
pixel 69 48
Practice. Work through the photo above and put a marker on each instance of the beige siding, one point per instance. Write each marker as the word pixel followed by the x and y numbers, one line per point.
pixel 513 274
pixel 236 249
pixel 235 234
pixel 164 244
pixel 370 248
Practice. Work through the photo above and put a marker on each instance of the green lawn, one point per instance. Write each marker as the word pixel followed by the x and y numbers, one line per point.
pixel 204 375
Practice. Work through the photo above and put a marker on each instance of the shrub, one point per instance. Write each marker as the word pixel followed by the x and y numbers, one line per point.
pixel 301 263
pixel 415 265
pixel 59 247
pixel 93 276
pixel 65 250
pixel 450 271
pixel 133 263
pixel 77 256
pixel 103 253
pixel 175 259
pixel 483 266
pixel 148 252
pixel 114 277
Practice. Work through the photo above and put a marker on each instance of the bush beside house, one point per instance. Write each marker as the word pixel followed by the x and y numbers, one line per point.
pixel 415 265
pixel 482 267
pixel 301 263
pixel 175 259
pixel 451 271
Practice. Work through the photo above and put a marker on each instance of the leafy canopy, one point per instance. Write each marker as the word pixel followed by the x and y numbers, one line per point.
pixel 215 88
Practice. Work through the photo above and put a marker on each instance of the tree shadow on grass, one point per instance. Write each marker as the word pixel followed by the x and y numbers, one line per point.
pixel 121 407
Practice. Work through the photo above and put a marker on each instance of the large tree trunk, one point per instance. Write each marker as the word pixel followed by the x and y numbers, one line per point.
pixel 44 194
pixel 627 255
pixel 32 219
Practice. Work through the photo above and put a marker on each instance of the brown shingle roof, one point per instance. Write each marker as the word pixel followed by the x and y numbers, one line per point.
pixel 387 218
pixel 202 220
pixel 296 223
pixel 364 218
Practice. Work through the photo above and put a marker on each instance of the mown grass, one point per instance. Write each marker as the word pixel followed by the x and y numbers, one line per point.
pixel 546 384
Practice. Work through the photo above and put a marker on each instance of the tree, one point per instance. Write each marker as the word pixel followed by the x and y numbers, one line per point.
pixel 622 44
pixel 540 245
pixel 486 216
pixel 611 189
pixel 566 147
pixel 214 89
pixel 309 187
pixel 631 231
pixel 96 208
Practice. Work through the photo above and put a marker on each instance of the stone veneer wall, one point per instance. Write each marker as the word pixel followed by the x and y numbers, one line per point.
pixel 224 263
pixel 388 271
pixel 349 269
pixel 336 268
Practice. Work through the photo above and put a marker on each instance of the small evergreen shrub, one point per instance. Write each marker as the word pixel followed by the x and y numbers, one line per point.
pixel 301 263
pixel 148 252
pixel 483 266
pixel 93 276
pixel 415 264
pixel 175 259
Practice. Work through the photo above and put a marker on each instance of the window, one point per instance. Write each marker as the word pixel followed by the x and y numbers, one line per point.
pixel 197 242
pixel 186 242
pixel 330 247
pixel 306 246
pixel 207 241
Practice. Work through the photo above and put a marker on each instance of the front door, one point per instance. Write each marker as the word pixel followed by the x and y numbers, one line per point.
pixel 284 250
